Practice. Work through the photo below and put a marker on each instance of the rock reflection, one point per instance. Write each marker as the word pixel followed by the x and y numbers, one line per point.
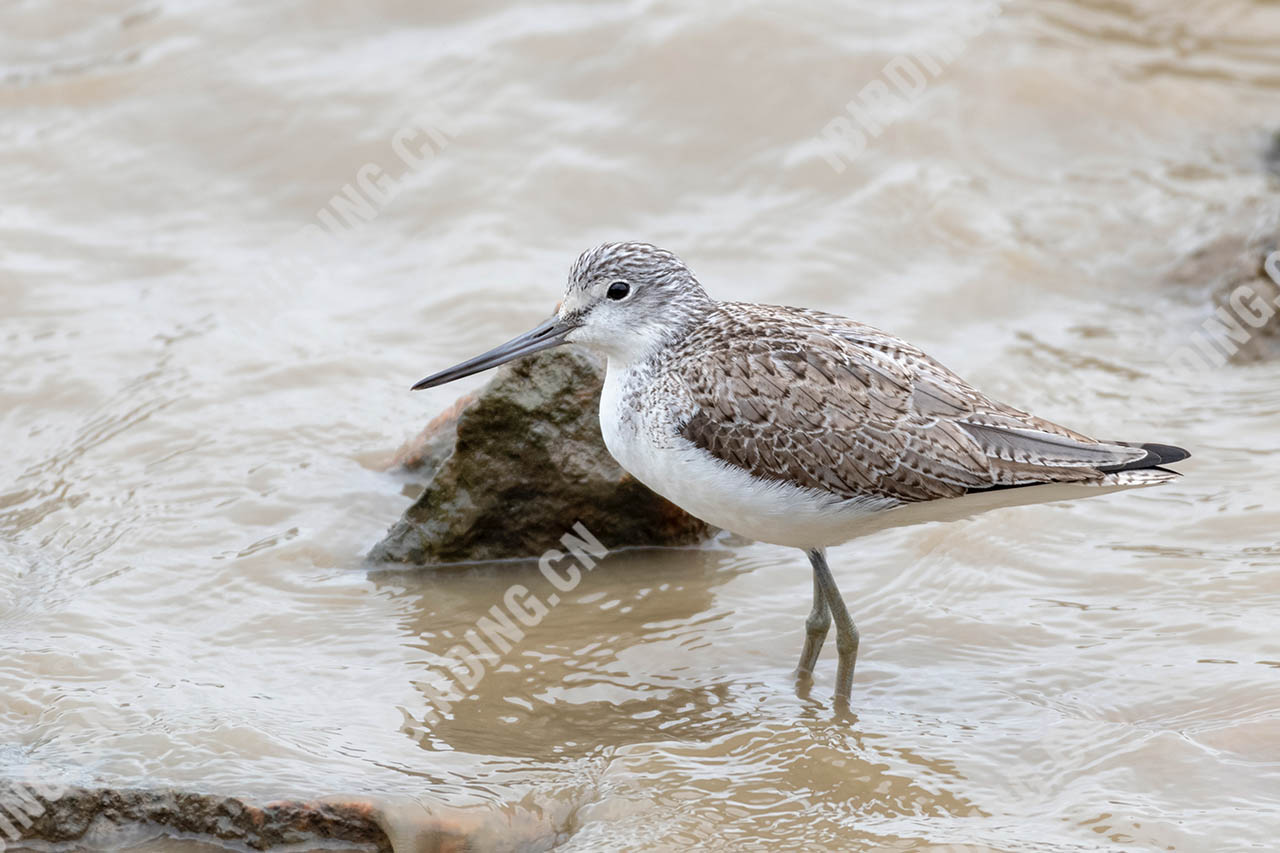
pixel 607 665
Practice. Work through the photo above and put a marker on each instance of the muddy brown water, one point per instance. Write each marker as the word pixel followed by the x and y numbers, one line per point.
pixel 193 438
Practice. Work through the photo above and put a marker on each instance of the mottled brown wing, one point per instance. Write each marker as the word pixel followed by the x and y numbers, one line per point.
pixel 823 402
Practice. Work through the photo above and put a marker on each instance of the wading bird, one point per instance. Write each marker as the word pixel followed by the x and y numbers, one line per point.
pixel 791 426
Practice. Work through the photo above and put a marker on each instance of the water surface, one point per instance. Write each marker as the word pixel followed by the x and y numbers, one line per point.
pixel 196 408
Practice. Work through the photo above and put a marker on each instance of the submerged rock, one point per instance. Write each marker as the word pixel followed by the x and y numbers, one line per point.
pixel 509 470
pixel 111 819
pixel 1271 158
pixel 1250 302
pixel 1241 274
pixel 35 815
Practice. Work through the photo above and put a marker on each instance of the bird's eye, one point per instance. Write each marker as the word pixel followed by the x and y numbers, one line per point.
pixel 618 290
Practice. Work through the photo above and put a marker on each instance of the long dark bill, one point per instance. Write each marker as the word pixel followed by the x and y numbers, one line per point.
pixel 549 334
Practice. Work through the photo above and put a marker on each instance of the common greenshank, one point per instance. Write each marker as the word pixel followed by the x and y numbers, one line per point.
pixel 790 426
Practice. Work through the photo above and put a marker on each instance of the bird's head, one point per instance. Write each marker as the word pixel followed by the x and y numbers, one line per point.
pixel 622 300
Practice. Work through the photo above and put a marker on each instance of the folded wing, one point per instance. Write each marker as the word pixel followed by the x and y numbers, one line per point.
pixel 823 402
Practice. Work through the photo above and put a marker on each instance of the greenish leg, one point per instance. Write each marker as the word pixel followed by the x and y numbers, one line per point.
pixel 815 631
pixel 846 631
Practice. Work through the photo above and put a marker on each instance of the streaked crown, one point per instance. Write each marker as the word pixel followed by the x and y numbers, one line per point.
pixel 630 262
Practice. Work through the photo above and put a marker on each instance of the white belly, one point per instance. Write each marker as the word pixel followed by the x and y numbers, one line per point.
pixel 721 494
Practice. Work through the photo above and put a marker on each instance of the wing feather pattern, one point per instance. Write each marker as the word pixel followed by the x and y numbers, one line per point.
pixel 824 402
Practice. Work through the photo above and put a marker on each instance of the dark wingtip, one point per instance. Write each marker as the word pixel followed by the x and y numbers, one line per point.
pixel 1166 454
pixel 1157 455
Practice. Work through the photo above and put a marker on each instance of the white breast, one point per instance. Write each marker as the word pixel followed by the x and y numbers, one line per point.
pixel 647 445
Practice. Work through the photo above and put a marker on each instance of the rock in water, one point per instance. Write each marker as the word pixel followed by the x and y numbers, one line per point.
pixel 105 819
pixel 1241 275
pixel 512 468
